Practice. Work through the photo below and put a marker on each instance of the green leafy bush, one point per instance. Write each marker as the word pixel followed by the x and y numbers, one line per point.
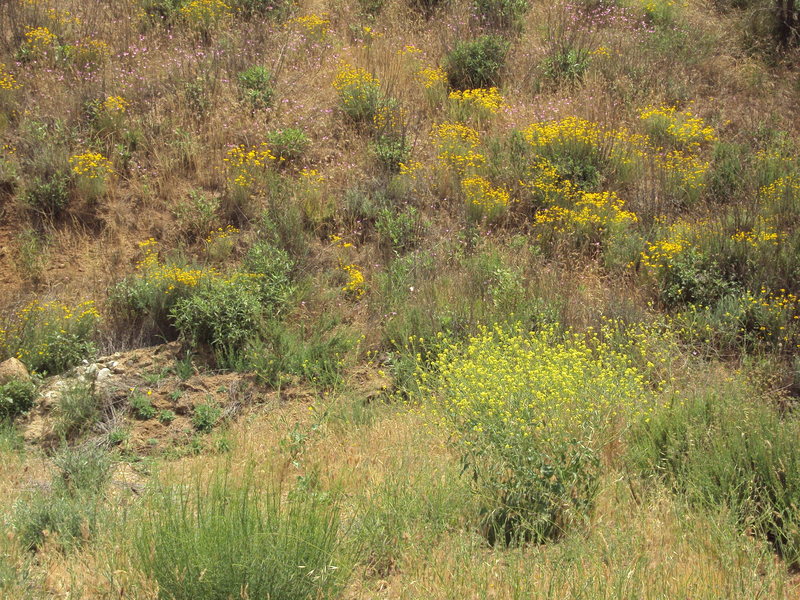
pixel 205 416
pixel 220 313
pixel 530 414
pixel 255 86
pixel 390 151
pixel 273 267
pixel 476 63
pixel 16 397
pixel 288 144
pixel 142 407
pixel 216 540
pixel 48 197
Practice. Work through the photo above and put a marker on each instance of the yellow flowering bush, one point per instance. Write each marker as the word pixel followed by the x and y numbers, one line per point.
pixel 115 105
pixel 456 146
pixel 589 217
pixel 531 412
pixel 360 95
pixel 478 104
pixel 87 54
pixel 314 27
pixel 7 80
pixel 354 287
pixel 220 242
pixel 39 41
pixel 484 201
pixel 683 175
pixel 150 297
pixel 434 83
pixel 91 165
pixel 50 337
pixel 204 15
pixel 666 125
pixel 745 322
pixel 247 165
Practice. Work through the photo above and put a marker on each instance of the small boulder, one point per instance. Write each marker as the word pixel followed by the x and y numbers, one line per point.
pixel 13 369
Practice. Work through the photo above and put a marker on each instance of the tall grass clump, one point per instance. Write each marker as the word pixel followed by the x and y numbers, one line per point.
pixel 530 413
pixel 727 448
pixel 225 540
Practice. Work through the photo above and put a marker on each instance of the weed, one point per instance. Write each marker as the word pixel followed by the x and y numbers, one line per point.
pixel 206 416
pixel 16 397
pixel 476 63
pixel 255 85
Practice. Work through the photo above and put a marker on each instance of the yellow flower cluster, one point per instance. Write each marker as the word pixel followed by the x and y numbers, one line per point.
pixel 355 283
pixel 410 169
pixel 39 39
pixel 7 80
pixel 596 210
pixel 685 173
pixel 409 50
pixel 88 53
pixel 315 27
pixel 781 192
pixel 682 128
pixel 456 144
pixel 506 387
pixel 660 254
pixel 115 105
pixel 483 199
pixel 221 234
pixel 312 176
pixel 431 77
pixel 389 118
pixel 349 77
pixel 758 237
pixel 246 164
pixel 91 165
pixel 205 12
pixel 480 104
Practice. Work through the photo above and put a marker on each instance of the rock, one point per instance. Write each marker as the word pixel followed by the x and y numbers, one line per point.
pixel 103 375
pixel 13 369
pixel 91 370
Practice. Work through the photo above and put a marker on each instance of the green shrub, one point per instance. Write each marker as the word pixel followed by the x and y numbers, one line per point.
pixel 390 151
pixel 399 230
pixel 531 413
pixel 166 416
pixel 476 63
pixel 50 337
pixel 66 515
pixel 224 538
pixel 16 397
pixel 255 86
pixel 77 410
pixel 426 8
pixel 205 416
pixel 142 407
pixel 721 447
pixel 48 197
pixel 502 14
pixel 566 64
pixel 273 267
pixel 221 314
pixel 288 144
pixel 315 352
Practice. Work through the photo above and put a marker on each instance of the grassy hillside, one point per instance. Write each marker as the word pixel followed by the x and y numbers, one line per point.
pixel 399 299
